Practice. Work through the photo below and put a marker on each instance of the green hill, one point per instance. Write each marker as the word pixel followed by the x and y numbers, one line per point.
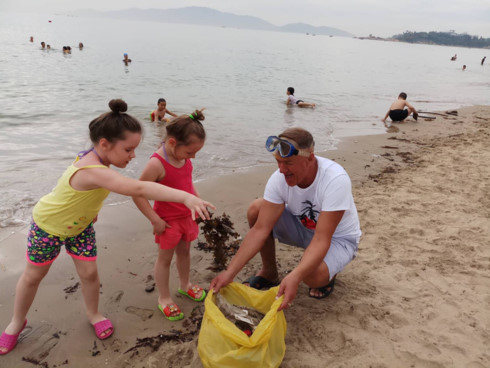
pixel 444 38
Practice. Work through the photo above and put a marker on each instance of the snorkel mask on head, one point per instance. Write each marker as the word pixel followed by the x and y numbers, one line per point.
pixel 284 147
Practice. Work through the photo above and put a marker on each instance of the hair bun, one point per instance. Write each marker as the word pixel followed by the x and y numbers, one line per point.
pixel 118 105
pixel 198 115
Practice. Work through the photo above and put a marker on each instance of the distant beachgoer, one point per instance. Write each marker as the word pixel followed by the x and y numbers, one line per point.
pixel 66 50
pixel 454 57
pixel 48 47
pixel 32 39
pixel 43 45
pixel 65 217
pixel 80 45
pixel 464 67
pixel 126 59
pixel 173 227
pixel 397 111
pixel 483 60
pixel 159 113
pixel 292 100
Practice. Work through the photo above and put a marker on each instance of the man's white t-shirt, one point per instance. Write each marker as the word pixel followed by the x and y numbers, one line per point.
pixel 330 191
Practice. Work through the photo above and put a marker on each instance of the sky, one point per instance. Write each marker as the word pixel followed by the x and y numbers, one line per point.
pixel 381 18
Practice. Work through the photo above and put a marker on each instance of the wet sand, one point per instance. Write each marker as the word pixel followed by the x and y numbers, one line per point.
pixel 417 295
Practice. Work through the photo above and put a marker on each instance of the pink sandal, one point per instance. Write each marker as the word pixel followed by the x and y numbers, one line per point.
pixel 10 341
pixel 103 326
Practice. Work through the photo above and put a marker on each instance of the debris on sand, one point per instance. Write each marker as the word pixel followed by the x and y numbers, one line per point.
pixel 71 289
pixel 192 325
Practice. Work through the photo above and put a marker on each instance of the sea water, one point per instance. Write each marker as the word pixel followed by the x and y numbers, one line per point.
pixel 47 98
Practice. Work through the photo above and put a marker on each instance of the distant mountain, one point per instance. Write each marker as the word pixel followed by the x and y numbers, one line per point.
pixel 212 17
pixel 306 28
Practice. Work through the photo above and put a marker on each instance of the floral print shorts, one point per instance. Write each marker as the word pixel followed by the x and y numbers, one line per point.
pixel 43 248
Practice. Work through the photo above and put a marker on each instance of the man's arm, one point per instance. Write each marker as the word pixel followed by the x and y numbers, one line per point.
pixel 313 255
pixel 251 244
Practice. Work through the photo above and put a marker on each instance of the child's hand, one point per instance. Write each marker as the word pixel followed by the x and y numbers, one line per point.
pixel 199 206
pixel 160 226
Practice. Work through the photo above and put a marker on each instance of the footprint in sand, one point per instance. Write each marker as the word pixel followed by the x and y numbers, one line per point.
pixel 142 313
pixel 43 338
pixel 114 300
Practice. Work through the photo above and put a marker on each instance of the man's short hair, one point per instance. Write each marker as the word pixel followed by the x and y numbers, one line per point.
pixel 403 95
pixel 301 136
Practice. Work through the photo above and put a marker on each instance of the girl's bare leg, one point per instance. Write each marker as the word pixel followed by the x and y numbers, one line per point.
pixel 184 265
pixel 24 296
pixel 162 277
pixel 89 278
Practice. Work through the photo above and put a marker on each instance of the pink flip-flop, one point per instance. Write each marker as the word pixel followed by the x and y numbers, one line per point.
pixel 10 341
pixel 103 326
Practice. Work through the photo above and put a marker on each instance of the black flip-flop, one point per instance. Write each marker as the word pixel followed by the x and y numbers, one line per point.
pixel 259 282
pixel 325 290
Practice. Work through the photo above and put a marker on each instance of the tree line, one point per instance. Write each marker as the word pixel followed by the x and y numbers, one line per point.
pixel 444 38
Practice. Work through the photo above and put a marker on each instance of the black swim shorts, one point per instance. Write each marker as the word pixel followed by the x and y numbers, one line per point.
pixel 297 102
pixel 398 115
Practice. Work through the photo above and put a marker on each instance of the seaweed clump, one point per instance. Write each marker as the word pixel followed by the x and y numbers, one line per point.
pixel 217 231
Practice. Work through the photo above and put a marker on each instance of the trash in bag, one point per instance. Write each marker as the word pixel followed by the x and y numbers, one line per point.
pixel 246 319
pixel 223 344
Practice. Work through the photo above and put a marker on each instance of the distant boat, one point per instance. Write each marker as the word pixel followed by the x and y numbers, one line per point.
pixel 307 33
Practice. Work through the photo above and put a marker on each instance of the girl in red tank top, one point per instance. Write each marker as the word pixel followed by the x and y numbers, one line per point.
pixel 172 223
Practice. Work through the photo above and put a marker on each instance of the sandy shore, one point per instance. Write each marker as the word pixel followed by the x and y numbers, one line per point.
pixel 417 295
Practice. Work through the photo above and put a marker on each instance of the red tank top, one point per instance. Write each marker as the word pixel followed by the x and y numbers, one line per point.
pixel 178 178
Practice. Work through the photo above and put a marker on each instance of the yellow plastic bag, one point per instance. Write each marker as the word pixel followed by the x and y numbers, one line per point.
pixel 221 344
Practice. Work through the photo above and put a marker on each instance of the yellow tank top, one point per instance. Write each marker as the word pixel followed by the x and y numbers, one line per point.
pixel 65 211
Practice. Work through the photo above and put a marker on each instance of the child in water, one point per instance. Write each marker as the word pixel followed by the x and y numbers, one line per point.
pixel 173 225
pixel 292 100
pixel 65 216
pixel 159 113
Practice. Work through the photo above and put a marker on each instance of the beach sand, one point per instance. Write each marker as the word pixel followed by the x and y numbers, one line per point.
pixel 417 295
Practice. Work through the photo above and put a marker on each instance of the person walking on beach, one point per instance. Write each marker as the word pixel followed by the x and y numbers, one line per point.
pixel 397 111
pixel 159 113
pixel 483 60
pixel 173 226
pixel 65 217
pixel 292 100
pixel 307 203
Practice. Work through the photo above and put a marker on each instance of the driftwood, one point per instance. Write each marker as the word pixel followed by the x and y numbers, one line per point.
pixel 453 113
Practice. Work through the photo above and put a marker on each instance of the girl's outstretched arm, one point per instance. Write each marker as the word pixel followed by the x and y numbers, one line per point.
pixel 117 183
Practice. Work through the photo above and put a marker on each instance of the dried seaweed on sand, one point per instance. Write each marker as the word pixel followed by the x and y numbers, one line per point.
pixel 217 231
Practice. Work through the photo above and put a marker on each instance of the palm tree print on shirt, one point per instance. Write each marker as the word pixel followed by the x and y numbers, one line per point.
pixel 308 215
